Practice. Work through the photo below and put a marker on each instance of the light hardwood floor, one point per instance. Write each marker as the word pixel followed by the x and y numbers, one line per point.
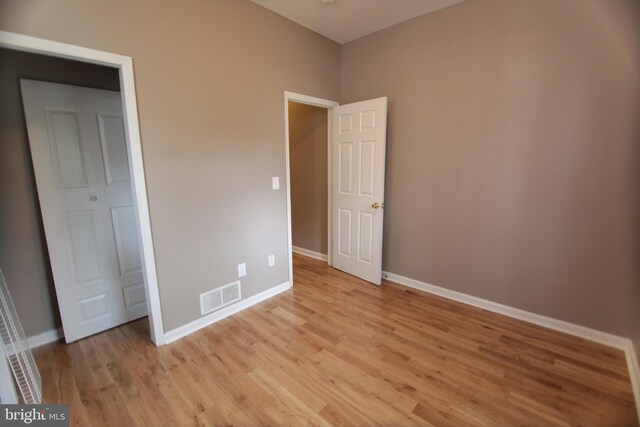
pixel 337 351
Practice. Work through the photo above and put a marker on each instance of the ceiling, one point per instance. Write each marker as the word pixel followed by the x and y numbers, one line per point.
pixel 347 20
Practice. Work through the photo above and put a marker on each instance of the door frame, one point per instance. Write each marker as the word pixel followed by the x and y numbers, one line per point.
pixel 124 64
pixel 316 102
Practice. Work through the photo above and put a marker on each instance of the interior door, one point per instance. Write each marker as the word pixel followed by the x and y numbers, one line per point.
pixel 80 160
pixel 359 142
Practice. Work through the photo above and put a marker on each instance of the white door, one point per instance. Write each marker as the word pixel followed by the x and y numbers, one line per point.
pixel 80 160
pixel 359 142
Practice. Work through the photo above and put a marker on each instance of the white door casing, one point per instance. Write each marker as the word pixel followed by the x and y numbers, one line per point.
pixel 79 151
pixel 359 143
pixel 322 103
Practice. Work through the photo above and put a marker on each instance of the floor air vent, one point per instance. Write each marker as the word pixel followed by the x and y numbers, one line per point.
pixel 221 297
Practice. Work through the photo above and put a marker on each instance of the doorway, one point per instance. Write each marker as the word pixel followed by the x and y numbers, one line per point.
pixel 309 142
pixel 356 146
pixel 78 149
pixel 124 70
pixel 308 151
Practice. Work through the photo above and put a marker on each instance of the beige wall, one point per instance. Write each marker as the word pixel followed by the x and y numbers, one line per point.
pixel 512 162
pixel 210 77
pixel 23 253
pixel 308 157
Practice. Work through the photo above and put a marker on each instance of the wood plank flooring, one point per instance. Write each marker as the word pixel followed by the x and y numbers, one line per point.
pixel 337 351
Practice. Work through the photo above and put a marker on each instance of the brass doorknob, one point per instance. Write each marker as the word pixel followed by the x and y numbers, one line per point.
pixel 377 205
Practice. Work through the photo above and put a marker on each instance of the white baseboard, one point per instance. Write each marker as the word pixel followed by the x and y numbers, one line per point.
pixel 634 372
pixel 189 328
pixel 45 337
pixel 40 339
pixel 624 344
pixel 309 253
pixel 548 322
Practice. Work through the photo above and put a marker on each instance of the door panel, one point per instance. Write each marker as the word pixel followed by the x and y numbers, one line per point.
pixel 344 232
pixel 81 234
pixel 365 234
pixel 367 168
pixel 134 296
pixel 94 307
pixel 345 168
pixel 80 159
pixel 359 141
pixel 127 245
pixel 66 149
pixel 114 149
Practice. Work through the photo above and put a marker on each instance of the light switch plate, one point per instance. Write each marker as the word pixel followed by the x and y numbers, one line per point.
pixel 242 270
pixel 272 260
pixel 275 183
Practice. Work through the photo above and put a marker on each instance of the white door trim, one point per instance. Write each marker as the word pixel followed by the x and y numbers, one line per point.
pixel 129 107
pixel 318 102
